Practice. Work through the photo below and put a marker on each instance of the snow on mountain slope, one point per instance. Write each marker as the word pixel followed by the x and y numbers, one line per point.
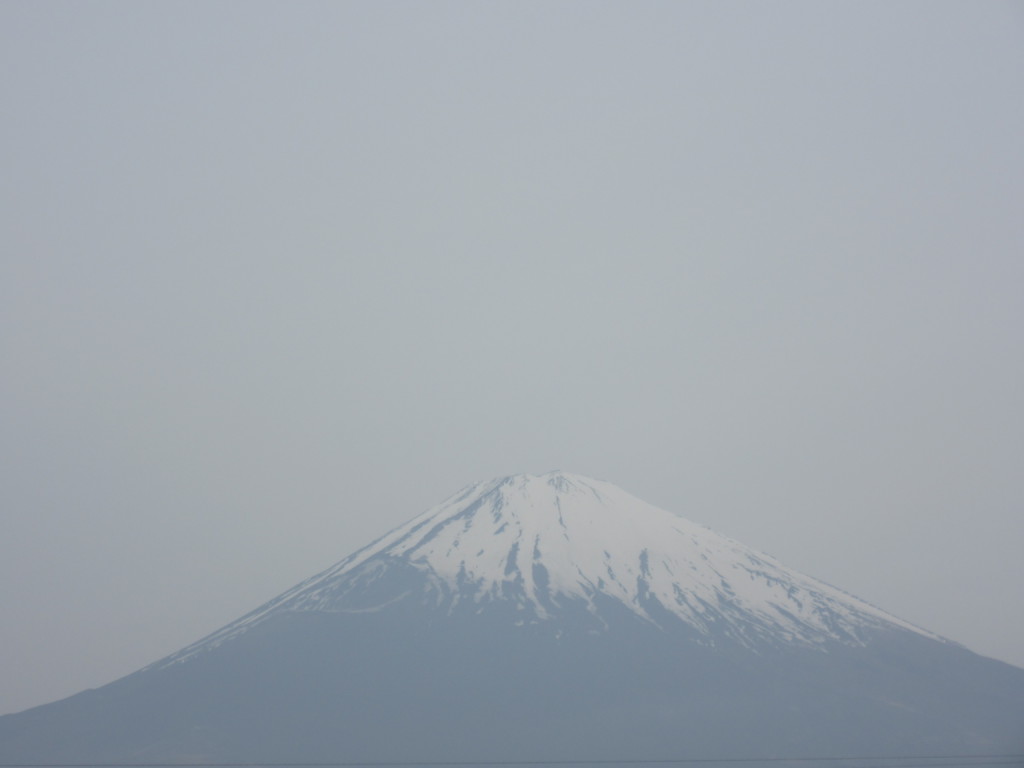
pixel 542 542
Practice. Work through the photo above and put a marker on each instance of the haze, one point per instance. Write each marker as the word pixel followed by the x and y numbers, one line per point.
pixel 277 277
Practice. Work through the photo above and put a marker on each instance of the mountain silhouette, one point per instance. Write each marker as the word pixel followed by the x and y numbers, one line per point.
pixel 544 618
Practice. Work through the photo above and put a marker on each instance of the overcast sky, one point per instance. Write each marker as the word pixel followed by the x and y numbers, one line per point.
pixel 276 277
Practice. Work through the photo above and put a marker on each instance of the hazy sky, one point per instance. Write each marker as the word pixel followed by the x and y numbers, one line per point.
pixel 275 277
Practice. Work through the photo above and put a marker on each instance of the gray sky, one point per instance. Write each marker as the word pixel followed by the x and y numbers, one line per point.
pixel 275 277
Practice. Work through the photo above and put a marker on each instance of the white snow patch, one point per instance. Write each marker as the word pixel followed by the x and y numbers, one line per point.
pixel 587 537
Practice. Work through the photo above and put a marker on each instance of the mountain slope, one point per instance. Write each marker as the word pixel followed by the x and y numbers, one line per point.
pixel 539 618
pixel 540 543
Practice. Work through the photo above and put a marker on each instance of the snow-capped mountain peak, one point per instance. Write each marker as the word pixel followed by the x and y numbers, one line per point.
pixel 540 618
pixel 542 543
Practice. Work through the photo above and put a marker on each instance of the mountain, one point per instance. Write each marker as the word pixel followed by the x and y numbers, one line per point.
pixel 544 618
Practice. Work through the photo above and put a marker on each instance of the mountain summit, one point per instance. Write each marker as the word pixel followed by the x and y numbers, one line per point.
pixel 540 545
pixel 549 617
